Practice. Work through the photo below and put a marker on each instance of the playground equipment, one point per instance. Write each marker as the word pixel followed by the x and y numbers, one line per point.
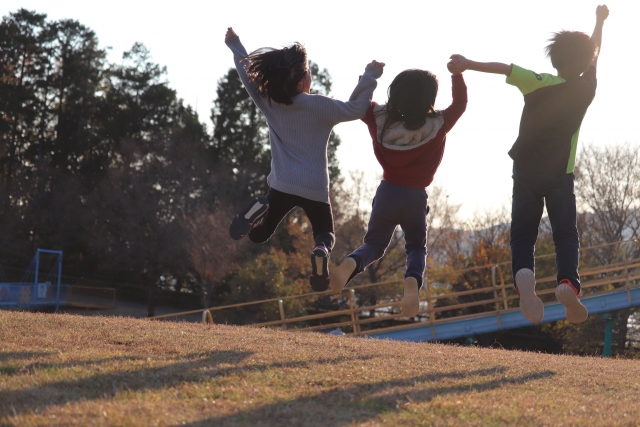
pixel 489 303
pixel 41 286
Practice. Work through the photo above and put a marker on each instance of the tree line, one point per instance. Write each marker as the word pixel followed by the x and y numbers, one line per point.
pixel 104 161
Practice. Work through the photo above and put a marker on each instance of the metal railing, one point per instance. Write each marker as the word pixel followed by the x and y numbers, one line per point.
pixel 439 304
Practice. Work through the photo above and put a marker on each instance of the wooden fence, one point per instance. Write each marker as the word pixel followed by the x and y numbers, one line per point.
pixel 492 293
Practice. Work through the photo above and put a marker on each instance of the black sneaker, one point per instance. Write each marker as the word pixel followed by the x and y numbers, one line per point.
pixel 319 279
pixel 252 216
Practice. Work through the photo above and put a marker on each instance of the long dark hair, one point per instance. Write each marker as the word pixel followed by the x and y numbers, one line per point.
pixel 278 71
pixel 412 95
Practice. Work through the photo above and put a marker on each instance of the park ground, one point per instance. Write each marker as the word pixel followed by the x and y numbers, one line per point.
pixel 68 370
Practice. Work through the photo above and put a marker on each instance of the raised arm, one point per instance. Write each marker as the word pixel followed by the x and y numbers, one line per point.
pixel 360 99
pixel 459 64
pixel 602 12
pixel 239 54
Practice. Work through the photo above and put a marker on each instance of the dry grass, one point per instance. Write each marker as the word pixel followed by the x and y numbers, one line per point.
pixel 72 370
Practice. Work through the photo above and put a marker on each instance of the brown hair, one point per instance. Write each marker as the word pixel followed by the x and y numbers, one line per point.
pixel 412 95
pixel 278 71
pixel 571 52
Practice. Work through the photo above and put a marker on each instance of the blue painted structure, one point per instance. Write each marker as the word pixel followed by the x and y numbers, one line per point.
pixel 34 290
pixel 611 301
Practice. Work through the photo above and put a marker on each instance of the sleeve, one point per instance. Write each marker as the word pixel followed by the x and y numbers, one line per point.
pixel 458 104
pixel 239 55
pixel 359 101
pixel 528 81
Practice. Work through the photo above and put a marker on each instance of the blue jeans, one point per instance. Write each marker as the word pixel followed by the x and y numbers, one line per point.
pixel 394 205
pixel 529 196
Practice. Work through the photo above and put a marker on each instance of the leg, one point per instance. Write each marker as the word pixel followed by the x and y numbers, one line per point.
pixel 382 224
pixel 321 219
pixel 414 225
pixel 279 205
pixel 561 205
pixel 525 219
pixel 526 212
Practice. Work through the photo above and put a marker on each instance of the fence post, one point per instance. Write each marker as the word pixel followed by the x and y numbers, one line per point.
pixel 608 335
pixel 281 305
pixel 354 319
pixel 495 294
pixel 430 310
pixel 504 292
pixel 626 272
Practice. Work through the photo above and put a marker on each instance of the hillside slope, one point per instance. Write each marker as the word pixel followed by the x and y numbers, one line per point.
pixel 73 370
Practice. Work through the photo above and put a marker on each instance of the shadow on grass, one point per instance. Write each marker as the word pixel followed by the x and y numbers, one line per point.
pixel 192 368
pixel 362 402
pixel 21 355
pixel 32 368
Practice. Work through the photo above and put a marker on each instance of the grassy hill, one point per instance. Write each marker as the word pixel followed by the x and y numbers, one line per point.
pixel 72 370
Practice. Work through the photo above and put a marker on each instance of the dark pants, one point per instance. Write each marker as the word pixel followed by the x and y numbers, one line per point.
pixel 394 205
pixel 280 204
pixel 529 197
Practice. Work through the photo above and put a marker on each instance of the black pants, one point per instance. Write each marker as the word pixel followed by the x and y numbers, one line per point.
pixel 280 204
pixel 529 196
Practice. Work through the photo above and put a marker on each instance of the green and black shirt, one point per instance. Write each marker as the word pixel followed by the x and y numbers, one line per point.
pixel 551 119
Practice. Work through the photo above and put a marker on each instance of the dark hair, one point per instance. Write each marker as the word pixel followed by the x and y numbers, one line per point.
pixel 412 95
pixel 278 71
pixel 571 52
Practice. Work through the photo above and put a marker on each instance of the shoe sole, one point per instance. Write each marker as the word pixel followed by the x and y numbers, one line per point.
pixel 531 305
pixel 411 298
pixel 574 310
pixel 340 276
pixel 319 279
pixel 243 222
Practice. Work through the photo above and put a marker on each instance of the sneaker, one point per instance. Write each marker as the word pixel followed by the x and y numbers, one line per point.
pixel 567 294
pixel 252 216
pixel 530 304
pixel 319 279
pixel 342 274
pixel 411 298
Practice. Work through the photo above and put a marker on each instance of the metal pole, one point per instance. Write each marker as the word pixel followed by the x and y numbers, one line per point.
pixel 281 305
pixel 608 335
pixel 34 293
pixel 59 277
pixel 355 326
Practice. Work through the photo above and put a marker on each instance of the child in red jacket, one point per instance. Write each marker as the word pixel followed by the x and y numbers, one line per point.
pixel 408 136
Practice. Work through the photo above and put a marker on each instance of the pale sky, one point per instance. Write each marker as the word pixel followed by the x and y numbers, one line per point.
pixel 343 36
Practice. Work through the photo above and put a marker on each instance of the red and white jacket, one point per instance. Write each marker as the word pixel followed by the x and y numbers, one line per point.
pixel 410 158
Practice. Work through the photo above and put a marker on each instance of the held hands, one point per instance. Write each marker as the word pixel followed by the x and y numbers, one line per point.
pixel 458 64
pixel 602 12
pixel 230 34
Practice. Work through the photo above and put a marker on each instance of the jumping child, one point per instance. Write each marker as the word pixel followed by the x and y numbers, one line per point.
pixel 279 82
pixel 408 137
pixel 544 158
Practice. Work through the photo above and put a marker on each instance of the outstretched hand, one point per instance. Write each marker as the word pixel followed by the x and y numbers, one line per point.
pixel 378 65
pixel 230 34
pixel 458 64
pixel 602 12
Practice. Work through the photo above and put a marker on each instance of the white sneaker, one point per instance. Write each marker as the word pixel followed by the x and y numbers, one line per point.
pixel 342 274
pixel 411 299
pixel 568 296
pixel 530 304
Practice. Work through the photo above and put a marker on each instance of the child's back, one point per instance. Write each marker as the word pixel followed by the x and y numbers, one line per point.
pixel 409 137
pixel 279 82
pixel 544 160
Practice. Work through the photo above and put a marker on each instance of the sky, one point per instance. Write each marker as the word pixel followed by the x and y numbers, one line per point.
pixel 187 37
